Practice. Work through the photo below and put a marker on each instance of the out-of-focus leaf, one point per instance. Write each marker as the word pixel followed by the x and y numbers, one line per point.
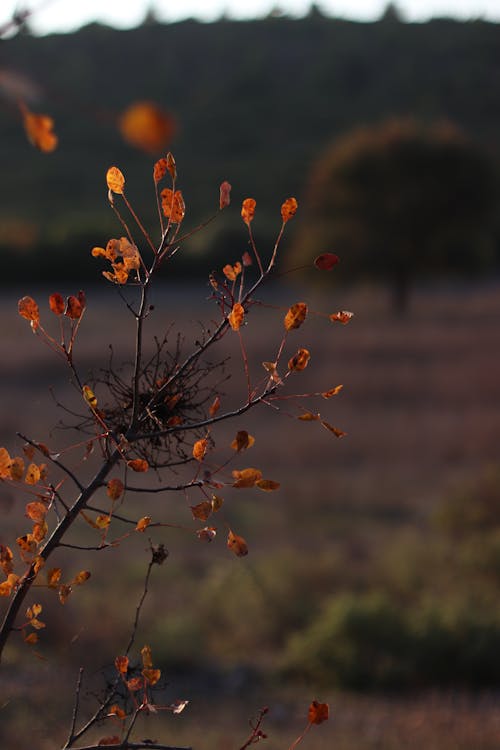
pixel 326 261
pixel 39 129
pixel 237 544
pixel 267 485
pixel 318 712
pixel 146 126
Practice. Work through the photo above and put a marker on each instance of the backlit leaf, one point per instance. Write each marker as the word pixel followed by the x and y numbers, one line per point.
pixel 28 309
pixel 26 543
pixel 139 465
pixel 224 195
pixel 295 316
pixel 146 126
pixel 318 712
pixel 6 558
pixel 152 675
pixel 336 431
pixel 36 511
pixel 39 129
pixel 115 180
pixel 173 205
pixel 289 209
pixel 74 308
pixel 216 503
pixel 80 578
pixel 121 664
pixel 115 710
pixel 102 521
pixel 199 449
pixel 32 474
pixel 299 360
pixel 143 523
pixel 326 261
pixel 147 658
pixel 114 489
pixel 246 477
pixel 232 272
pixel 236 316
pixel 56 303
pixel 267 485
pixel 242 441
pixel 332 391
pixel 237 544
pixel 134 684
pixel 248 210
pixel 89 396
pixel 343 316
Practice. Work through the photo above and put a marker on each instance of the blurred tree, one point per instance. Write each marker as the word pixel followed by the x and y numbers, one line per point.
pixel 402 200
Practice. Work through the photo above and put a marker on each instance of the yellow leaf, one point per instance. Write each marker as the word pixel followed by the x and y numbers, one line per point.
pixel 199 449
pixel 295 316
pixel 5 464
pixel 143 523
pixel 236 316
pixel 248 210
pixel 102 522
pixel 232 272
pixel 299 360
pixel 89 397
pixel 115 180
pixel 237 544
pixel 289 209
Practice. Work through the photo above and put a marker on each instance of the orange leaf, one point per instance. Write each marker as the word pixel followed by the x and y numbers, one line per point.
pixel 36 511
pixel 143 523
pixel 237 544
pixel 74 308
pixel 248 210
pixel 7 586
pixel 115 180
pixel 326 261
pixel 147 658
pixel 115 710
pixel 173 205
pixel 336 431
pixel 236 316
pixel 138 464
pixel 121 664
pixel 136 683
pixel 6 558
pixel 31 638
pixel 152 675
pixel 246 477
pixel 80 578
pixel 232 272
pixel 299 360
pixel 102 521
pixel 56 303
pixel 40 531
pixel 332 391
pixel 267 485
pixel 318 712
pixel 64 591
pixel 215 407
pixel 27 543
pixel 295 316
pixel 32 474
pixel 308 416
pixel 159 170
pixel 224 195
pixel 242 441
pixel 199 449
pixel 171 166
pixel 53 577
pixel 342 316
pixel 17 468
pixel 202 511
pixel 28 309
pixel 39 129
pixel 5 464
pixel 289 209
pixel 114 489
pixel 146 126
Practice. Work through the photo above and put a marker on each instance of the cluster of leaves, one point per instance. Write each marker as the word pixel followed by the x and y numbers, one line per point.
pixel 155 416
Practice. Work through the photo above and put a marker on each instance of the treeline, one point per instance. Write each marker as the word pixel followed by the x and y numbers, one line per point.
pixel 256 103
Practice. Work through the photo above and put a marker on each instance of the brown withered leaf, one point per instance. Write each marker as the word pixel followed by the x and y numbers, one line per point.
pixel 202 511
pixel 56 303
pixel 332 391
pixel 242 441
pixel 63 592
pixel 248 210
pixel 80 578
pixel 6 558
pixel 299 361
pixel 336 431
pixel 17 468
pixel 318 712
pixel 326 261
pixel 237 544
pixel 159 170
pixel 32 474
pixel 110 740
pixel 151 675
pixel 147 657
pixel 74 308
pixel 53 577
pixel 308 416
pixel 140 465
pixel 206 534
pixel 295 316
pixel 289 209
pixel 5 464
pixel 28 309
pixel 135 683
pixel 216 503
pixel 114 489
pixel 173 206
pixel 36 511
pixel 224 195
pixel 342 316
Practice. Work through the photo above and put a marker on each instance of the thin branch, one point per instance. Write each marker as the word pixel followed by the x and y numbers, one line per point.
pixel 75 708
pixel 55 461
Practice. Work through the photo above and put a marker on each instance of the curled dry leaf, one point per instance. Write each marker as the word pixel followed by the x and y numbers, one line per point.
pixel 147 657
pixel 237 544
pixel 140 465
pixel 336 431
pixel 6 558
pixel 295 316
pixel 28 309
pixel 151 675
pixel 146 126
pixel 80 578
pixel 342 316
pixel 216 503
pixel 200 449
pixel 242 441
pixel 115 710
pixel 160 170
pixel 236 316
pixel 171 166
pixel 115 180
pixel 332 391
pixel 63 592
pixel 248 210
pixel 318 712
pixel 326 261
pixel 224 195
pixel 53 577
pixel 299 360
pixel 289 209
pixel 36 511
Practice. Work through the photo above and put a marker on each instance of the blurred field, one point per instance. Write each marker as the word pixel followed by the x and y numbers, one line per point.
pixel 420 405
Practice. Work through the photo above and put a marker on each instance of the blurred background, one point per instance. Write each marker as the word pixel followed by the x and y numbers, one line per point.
pixel 373 575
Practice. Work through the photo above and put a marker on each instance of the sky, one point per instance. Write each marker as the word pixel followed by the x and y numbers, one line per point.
pixel 67 15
